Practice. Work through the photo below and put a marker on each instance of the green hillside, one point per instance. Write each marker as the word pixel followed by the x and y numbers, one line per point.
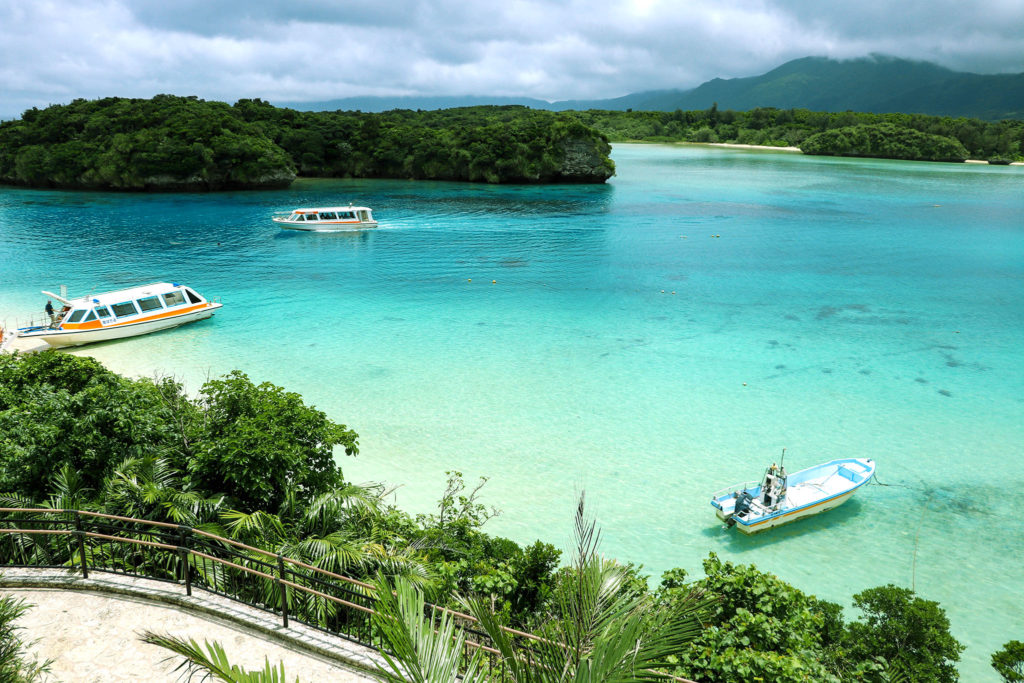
pixel 820 84
pixel 875 84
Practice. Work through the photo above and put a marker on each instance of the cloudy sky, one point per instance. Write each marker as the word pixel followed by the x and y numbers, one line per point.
pixel 52 51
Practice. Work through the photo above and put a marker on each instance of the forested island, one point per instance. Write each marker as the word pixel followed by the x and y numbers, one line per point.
pixel 254 463
pixel 184 143
pixel 884 136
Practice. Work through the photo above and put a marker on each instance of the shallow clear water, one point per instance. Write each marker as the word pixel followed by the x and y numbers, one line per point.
pixel 648 341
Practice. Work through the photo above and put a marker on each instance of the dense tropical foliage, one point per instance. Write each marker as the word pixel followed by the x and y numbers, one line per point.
pixel 600 626
pixel 253 463
pixel 133 144
pixel 1008 661
pixel 184 143
pixel 478 144
pixel 16 665
pixel 998 141
pixel 897 623
pixel 884 141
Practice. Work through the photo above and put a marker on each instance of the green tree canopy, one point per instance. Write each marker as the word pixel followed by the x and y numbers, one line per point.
pixel 166 142
pixel 884 141
pixel 1008 661
pixel 58 410
pixel 260 444
pixel 184 143
pixel 898 624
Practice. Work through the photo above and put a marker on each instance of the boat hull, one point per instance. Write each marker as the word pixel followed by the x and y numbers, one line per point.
pixel 326 226
pixel 64 338
pixel 810 511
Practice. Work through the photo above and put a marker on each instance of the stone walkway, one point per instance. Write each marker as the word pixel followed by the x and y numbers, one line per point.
pixel 90 629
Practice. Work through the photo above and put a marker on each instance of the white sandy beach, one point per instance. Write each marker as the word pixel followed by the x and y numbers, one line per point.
pixel 736 145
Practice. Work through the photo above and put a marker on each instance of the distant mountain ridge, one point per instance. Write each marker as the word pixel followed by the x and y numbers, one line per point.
pixel 877 84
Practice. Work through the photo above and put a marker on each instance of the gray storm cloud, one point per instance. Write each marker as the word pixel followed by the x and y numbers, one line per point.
pixel 53 51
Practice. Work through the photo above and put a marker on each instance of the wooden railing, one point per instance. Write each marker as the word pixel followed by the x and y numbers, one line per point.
pixel 295 591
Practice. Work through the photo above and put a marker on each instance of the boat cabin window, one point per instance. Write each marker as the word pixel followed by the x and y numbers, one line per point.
pixel 150 303
pixel 328 216
pixel 193 297
pixel 102 312
pixel 174 299
pixel 125 308
pixel 307 217
pixel 346 215
pixel 90 317
pixel 75 316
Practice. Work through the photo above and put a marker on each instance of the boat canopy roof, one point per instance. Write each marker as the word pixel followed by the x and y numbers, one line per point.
pixel 108 298
pixel 325 209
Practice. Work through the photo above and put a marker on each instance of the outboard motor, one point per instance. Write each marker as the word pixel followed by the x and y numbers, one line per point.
pixel 740 508
pixel 742 504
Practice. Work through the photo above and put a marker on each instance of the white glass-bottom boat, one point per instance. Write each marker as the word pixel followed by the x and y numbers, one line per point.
pixel 124 313
pixel 781 498
pixel 329 219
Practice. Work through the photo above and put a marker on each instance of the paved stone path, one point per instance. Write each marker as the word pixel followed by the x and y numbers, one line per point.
pixel 92 631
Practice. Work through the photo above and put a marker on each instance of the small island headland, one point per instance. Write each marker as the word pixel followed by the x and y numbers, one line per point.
pixel 170 143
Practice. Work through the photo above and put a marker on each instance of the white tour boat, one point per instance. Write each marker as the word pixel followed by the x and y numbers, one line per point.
pixel 124 313
pixel 328 219
pixel 781 498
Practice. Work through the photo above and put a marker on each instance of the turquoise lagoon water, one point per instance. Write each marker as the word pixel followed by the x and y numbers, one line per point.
pixel 648 341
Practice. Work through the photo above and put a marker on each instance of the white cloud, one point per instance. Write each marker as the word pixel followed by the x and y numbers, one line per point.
pixel 56 50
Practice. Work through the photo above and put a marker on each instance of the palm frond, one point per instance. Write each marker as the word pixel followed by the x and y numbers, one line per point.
pixel 188 507
pixel 213 661
pixel 68 490
pixel 421 648
pixel 397 563
pixel 343 501
pixel 257 528
pixel 16 500
pixel 599 632
pixel 334 552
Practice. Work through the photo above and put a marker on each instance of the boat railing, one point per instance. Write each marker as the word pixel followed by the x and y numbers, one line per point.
pixel 36 322
pixel 735 488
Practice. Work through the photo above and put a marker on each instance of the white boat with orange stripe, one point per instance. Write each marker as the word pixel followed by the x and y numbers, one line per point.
pixel 781 498
pixel 327 219
pixel 124 313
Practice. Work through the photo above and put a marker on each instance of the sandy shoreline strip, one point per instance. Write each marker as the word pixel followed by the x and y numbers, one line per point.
pixel 12 342
pixel 770 148
pixel 736 145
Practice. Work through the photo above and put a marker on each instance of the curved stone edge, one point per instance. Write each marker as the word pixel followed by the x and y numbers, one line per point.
pixel 346 654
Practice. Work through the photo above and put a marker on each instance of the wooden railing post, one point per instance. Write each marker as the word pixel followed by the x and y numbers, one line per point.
pixel 283 588
pixel 81 544
pixel 183 555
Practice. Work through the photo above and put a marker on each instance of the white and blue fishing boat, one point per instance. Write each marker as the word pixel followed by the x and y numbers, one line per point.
pixel 780 497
